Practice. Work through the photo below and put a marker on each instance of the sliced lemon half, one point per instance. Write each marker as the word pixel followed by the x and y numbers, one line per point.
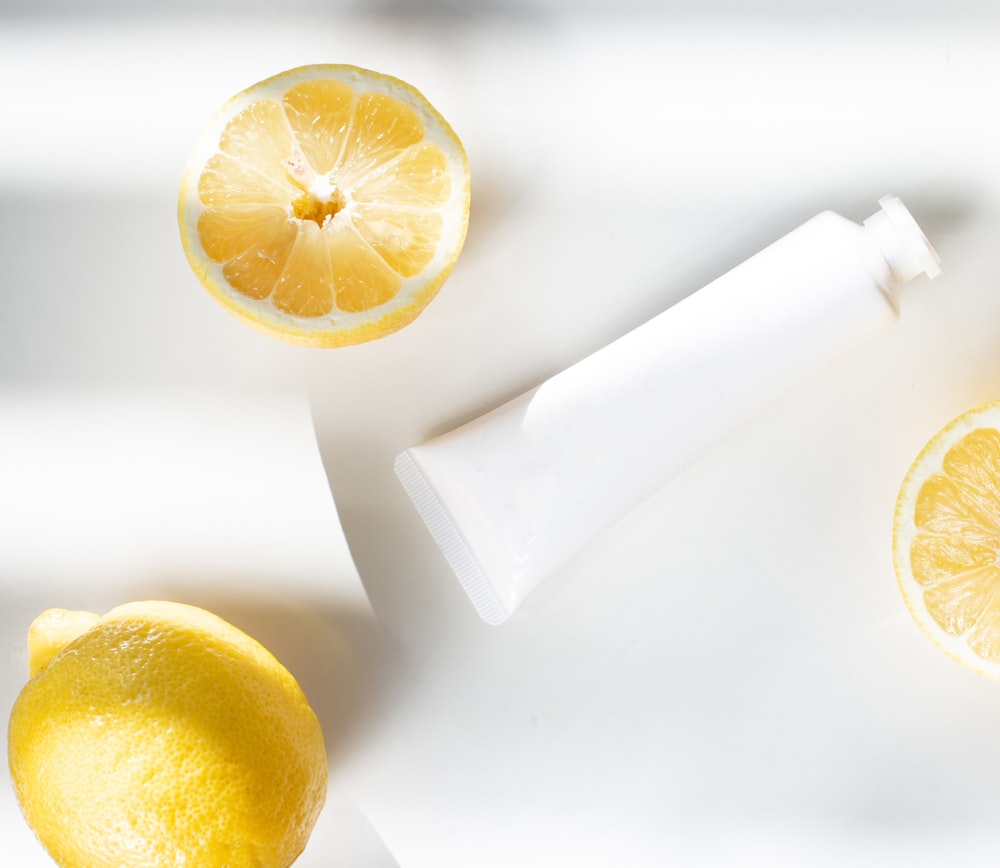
pixel 946 539
pixel 325 205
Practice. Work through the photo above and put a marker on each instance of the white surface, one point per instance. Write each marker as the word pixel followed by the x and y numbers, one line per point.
pixel 210 499
pixel 727 677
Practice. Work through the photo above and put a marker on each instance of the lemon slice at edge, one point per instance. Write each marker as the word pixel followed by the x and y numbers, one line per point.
pixel 946 537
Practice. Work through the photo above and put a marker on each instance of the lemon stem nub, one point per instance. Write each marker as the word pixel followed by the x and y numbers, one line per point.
pixel 52 631
pixel 310 207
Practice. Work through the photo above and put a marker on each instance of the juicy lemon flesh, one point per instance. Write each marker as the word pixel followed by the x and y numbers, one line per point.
pixel 324 201
pixel 953 553
pixel 160 736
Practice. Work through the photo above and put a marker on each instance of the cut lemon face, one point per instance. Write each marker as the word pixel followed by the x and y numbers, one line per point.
pixel 325 205
pixel 946 539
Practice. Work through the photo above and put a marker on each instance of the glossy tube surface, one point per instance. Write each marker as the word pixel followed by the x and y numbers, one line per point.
pixel 513 495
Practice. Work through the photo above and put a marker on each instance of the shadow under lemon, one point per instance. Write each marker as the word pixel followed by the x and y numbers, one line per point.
pixel 336 653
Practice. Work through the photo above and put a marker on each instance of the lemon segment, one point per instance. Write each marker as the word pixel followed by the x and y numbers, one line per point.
pixel 946 539
pixel 319 114
pixel 326 205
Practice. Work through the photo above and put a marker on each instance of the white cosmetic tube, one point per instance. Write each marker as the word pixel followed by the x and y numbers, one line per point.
pixel 515 494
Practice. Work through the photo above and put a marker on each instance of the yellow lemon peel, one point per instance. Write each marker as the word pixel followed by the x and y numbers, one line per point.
pixel 160 735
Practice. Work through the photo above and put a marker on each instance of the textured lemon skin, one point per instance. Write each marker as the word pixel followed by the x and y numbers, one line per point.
pixel 164 736
pixel 52 631
pixel 342 331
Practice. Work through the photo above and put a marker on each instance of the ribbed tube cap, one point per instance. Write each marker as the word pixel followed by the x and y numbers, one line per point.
pixel 902 242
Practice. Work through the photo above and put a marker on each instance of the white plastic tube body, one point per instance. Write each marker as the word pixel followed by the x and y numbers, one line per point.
pixel 513 495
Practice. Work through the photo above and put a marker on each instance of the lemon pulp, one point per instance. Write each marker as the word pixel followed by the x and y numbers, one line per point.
pixel 947 538
pixel 326 205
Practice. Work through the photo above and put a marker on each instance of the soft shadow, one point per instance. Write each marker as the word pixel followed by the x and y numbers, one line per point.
pixel 418 601
pixel 337 654
pixel 497 197
pixel 943 214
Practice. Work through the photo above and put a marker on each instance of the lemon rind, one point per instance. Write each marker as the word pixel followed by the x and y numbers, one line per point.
pixel 337 328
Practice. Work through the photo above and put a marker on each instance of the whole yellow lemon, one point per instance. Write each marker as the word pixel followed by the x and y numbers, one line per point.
pixel 161 735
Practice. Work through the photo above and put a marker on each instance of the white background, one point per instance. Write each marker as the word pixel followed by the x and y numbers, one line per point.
pixel 729 675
